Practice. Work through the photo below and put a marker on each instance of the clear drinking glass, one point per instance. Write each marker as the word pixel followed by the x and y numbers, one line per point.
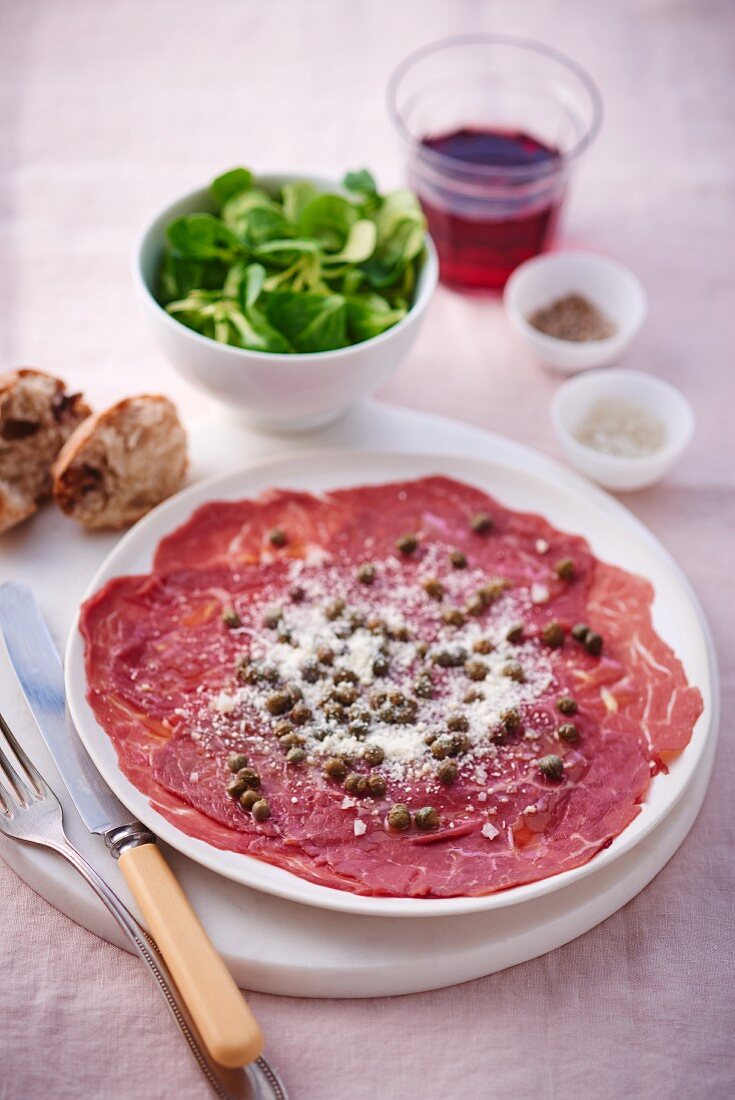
pixel 492 126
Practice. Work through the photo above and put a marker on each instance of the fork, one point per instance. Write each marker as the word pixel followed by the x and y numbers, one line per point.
pixel 31 812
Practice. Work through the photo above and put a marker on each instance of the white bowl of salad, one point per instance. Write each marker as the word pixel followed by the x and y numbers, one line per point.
pixel 285 298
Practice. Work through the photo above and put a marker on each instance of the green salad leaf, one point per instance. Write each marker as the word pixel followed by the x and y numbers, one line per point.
pixel 297 270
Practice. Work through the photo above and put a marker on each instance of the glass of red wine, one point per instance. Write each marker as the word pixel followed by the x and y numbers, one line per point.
pixel 492 126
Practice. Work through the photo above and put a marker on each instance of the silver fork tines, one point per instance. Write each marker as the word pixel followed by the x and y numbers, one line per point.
pixel 22 788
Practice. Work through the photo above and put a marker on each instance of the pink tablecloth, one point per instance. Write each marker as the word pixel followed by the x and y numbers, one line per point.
pixel 108 109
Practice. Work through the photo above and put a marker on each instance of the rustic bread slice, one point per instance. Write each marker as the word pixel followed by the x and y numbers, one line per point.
pixel 37 415
pixel 121 462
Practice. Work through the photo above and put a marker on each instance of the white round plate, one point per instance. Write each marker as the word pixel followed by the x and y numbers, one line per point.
pixel 614 534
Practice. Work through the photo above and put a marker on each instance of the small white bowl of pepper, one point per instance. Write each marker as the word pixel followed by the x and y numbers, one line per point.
pixel 575 310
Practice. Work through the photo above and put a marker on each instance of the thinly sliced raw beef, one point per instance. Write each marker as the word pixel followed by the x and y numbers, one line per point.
pixel 394 647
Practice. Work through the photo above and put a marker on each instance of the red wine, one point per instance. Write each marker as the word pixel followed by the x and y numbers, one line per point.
pixel 483 237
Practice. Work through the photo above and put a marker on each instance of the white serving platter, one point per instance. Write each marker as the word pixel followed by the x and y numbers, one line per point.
pixel 271 944
pixel 614 535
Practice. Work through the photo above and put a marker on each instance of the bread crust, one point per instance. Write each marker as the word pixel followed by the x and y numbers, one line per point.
pixel 37 415
pixel 121 462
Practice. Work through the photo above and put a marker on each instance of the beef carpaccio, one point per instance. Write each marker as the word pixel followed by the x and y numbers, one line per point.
pixel 404 689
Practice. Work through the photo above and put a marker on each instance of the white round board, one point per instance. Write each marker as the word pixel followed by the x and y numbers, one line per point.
pixel 287 948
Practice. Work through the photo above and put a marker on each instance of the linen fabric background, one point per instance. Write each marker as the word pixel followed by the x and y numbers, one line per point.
pixel 107 110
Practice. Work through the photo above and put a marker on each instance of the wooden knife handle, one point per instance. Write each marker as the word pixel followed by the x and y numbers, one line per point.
pixel 227 1026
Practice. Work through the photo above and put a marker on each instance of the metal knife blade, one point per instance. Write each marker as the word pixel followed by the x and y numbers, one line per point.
pixel 37 665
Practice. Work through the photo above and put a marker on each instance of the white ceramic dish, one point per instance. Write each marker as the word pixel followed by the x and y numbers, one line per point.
pixel 573 400
pixel 282 392
pixel 614 535
pixel 607 284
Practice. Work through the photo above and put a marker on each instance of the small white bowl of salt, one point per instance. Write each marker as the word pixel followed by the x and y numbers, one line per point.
pixel 622 428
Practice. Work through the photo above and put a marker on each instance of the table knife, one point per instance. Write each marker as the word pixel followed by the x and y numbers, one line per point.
pixel 228 1028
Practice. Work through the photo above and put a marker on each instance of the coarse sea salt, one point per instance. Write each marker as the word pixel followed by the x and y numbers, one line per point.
pixel 615 427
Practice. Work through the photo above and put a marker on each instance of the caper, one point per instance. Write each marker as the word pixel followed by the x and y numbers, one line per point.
pixel 399 817
pixel 565 704
pixel 310 672
pixel 441 747
pixel 345 676
pixel 551 766
pixel 424 687
pixel 564 569
pixel 426 819
pixel 482 645
pixel 593 643
pixel 334 609
pixel 248 799
pixel 580 632
pixel 458 744
pixel 475 605
pixel 297 593
pixel 230 618
pixel 553 634
pixel 346 694
pixel 434 588
pixel 248 777
pixel 277 537
pixel 473 696
pixel 249 673
pixel 290 740
pixel 373 754
pixel 568 732
pixel 514 633
pixel 494 589
pixel 278 702
pixel 295 755
pixel 407 544
pixel 332 710
pixel 235 787
pixel 453 616
pixel 458 723
pixel 237 760
pixel 482 523
pixel 447 658
pixel 511 720
pixel 325 655
pixel 261 810
pixel 300 714
pixel 366 573
pixel 398 633
pixel 335 768
pixel 514 671
pixel 356 784
pixel 446 773
pixel 458 559
pixel 376 785
pixel 358 729
pixel 381 665
pixel 476 670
